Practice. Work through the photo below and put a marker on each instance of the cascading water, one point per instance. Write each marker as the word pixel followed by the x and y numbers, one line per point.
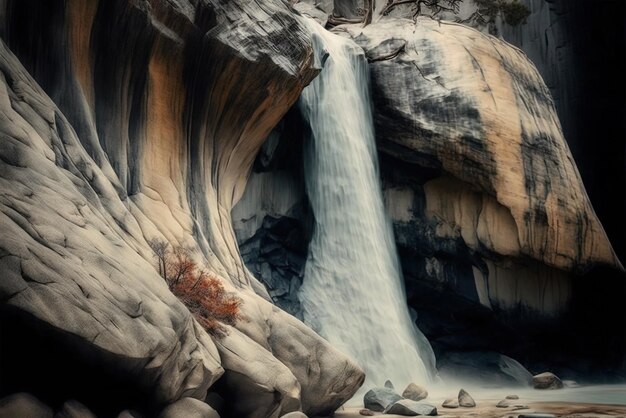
pixel 353 292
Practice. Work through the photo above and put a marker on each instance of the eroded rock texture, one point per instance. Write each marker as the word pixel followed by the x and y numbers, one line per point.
pixel 146 124
pixel 474 108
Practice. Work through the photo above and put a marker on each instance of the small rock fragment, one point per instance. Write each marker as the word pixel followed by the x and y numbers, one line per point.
pixel 451 403
pixel 512 397
pixel 366 412
pixel 389 385
pixel 503 404
pixel 415 392
pixel 466 400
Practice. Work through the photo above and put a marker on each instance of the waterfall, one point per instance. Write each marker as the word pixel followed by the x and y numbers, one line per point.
pixel 353 293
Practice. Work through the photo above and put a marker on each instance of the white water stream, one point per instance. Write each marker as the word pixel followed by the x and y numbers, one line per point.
pixel 353 293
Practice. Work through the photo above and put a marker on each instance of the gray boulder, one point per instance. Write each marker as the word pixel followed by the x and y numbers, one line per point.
pixel 547 380
pixel 378 399
pixel 189 408
pixel 23 405
pixel 415 392
pixel 409 408
pixel 451 403
pixel 466 400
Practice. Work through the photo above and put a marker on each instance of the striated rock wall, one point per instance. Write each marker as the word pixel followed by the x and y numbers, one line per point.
pixel 142 120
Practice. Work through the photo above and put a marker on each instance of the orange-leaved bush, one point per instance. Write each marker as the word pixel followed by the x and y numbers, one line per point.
pixel 202 292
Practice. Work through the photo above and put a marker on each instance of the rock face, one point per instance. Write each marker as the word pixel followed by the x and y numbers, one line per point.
pixel 495 128
pixel 114 137
pixel 553 41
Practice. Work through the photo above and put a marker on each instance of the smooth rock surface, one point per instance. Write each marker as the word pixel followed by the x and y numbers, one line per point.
pixel 415 392
pixel 451 403
pixel 466 400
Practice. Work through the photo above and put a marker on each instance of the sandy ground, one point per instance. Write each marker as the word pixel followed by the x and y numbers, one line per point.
pixel 584 402
pixel 488 409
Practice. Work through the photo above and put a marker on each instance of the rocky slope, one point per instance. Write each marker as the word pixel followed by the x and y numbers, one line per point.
pixel 117 133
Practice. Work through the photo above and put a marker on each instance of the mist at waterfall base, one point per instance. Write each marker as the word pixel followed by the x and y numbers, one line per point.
pixel 353 292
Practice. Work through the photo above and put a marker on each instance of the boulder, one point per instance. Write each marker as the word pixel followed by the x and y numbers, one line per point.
pixel 378 399
pixel 451 403
pixel 503 404
pixel 24 405
pixel 439 97
pixel 547 381
pixel 188 408
pixel 415 392
pixel 74 409
pixel 409 408
pixel 465 399
pixel 255 383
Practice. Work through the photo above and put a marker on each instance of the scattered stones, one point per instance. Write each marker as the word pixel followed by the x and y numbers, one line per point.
pixel 502 404
pixel 451 403
pixel 415 392
pixel 466 400
pixel 24 405
pixel 367 413
pixel 547 381
pixel 389 385
pixel 378 399
pixel 512 397
pixel 409 408
pixel 188 408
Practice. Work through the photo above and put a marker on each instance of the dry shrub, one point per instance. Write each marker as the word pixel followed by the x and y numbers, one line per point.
pixel 202 292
